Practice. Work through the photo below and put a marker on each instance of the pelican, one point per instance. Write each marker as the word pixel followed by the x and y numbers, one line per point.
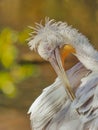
pixel 71 102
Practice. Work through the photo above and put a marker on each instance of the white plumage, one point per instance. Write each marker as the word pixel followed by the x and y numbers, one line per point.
pixel 54 108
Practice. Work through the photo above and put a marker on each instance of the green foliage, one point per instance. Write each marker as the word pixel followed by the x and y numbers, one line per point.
pixel 11 72
pixel 23 35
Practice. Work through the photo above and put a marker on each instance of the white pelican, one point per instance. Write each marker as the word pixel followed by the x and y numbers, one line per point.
pixel 71 102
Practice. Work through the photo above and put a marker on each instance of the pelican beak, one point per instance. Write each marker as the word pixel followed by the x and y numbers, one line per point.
pixel 57 64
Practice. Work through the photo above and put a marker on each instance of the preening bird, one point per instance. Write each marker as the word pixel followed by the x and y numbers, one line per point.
pixel 71 102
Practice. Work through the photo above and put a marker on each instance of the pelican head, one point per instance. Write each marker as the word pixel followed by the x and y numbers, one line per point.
pixel 47 39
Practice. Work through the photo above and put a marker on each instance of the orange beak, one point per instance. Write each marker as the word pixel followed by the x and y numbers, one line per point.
pixel 65 51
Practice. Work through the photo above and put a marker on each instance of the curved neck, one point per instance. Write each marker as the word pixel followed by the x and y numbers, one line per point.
pixel 84 50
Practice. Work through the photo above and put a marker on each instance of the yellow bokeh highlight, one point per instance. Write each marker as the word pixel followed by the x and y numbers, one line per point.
pixel 11 72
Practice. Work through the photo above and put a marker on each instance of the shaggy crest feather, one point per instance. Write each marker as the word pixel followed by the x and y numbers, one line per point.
pixel 45 37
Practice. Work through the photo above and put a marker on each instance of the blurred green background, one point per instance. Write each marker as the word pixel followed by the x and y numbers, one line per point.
pixel 23 74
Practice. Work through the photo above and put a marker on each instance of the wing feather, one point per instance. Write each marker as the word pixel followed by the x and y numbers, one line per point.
pixel 52 105
pixel 87 101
